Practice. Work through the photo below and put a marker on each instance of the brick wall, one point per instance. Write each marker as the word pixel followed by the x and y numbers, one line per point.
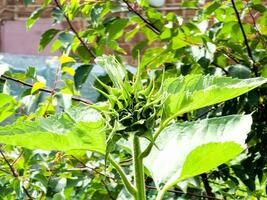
pixel 15 39
pixel 12 11
pixel 15 10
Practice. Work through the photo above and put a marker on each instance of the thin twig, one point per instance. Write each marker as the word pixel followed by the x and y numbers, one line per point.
pixel 148 24
pixel 85 167
pixel 53 90
pixel 245 38
pixel 207 186
pixel 5 171
pixel 15 174
pixel 47 90
pixel 108 190
pixel 255 26
pixel 218 66
pixel 187 193
pixel 74 30
pixel 16 160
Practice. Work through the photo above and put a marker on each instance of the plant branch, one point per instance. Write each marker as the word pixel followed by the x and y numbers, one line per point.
pixel 186 193
pixel 74 30
pixel 85 167
pixel 15 174
pixel 47 90
pixel 148 24
pixel 207 187
pixel 16 160
pixel 53 90
pixel 218 66
pixel 124 178
pixel 108 190
pixel 245 37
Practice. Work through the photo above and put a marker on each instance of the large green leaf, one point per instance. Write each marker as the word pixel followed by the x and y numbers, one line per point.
pixel 7 106
pixel 188 93
pixel 79 129
pixel 187 149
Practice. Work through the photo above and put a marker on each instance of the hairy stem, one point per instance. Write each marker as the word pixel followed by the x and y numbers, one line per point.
pixel 124 178
pixel 138 169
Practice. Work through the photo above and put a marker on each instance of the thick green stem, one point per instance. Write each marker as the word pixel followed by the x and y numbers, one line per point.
pixel 138 170
pixel 126 182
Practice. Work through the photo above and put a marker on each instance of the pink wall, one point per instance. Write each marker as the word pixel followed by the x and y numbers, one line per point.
pixel 17 40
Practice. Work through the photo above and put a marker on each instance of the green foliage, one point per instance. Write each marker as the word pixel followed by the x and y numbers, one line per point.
pixel 81 74
pixel 200 146
pixel 186 66
pixel 46 38
pixel 8 106
pixel 195 91
pixel 80 129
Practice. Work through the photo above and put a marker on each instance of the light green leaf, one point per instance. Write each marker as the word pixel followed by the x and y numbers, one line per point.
pixel 37 86
pixel 34 17
pixel 115 28
pixel 188 93
pixel 65 59
pixel 78 129
pixel 196 163
pixel 7 106
pixel 187 149
pixel 68 70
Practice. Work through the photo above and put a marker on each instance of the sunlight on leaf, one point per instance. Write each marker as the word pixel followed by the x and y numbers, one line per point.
pixel 182 143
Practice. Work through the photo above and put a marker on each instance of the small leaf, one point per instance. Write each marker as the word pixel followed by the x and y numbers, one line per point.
pixel 37 86
pixel 116 27
pixel 66 38
pixel 46 38
pixel 55 46
pixel 65 59
pixel 259 7
pixel 81 75
pixel 69 70
pixel 83 53
pixel 27 2
pixel 239 71
pixel 34 17
pixel 7 106
pixel 211 7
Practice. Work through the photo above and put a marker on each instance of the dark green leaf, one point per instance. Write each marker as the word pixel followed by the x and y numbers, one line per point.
pixel 46 38
pixel 81 75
